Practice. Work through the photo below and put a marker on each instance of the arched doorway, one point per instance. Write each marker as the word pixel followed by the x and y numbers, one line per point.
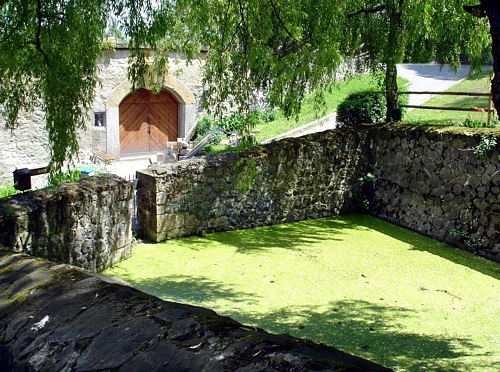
pixel 147 122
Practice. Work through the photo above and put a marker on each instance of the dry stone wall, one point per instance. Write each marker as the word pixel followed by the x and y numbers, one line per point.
pixel 434 181
pixel 295 179
pixel 86 224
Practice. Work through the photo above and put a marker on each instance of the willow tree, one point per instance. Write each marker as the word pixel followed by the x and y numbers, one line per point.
pixel 48 55
pixel 288 48
pixel 281 49
pixel 274 48
pixel 388 32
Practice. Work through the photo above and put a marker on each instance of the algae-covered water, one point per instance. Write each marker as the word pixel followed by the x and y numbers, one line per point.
pixel 353 282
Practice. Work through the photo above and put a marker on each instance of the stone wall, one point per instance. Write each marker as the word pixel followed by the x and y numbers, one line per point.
pixel 432 181
pixel 86 224
pixel 429 180
pixel 296 179
pixel 27 146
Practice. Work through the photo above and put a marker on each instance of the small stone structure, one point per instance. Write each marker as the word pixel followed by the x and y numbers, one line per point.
pixel 86 224
pixel 291 180
pixel 431 180
pixel 59 318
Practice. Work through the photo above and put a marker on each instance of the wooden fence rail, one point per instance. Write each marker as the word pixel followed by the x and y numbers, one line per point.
pixel 487 110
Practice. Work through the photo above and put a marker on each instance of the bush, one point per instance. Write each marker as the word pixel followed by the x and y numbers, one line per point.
pixel 362 108
pixel 206 125
pixel 230 123
pixel 203 127
pixel 7 189
pixel 267 114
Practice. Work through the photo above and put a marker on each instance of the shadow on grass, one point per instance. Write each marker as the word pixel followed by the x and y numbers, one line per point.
pixel 190 289
pixel 423 243
pixel 372 331
pixel 283 236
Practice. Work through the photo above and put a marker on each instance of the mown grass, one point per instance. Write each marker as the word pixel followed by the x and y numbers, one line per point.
pixel 353 282
pixel 339 91
pixel 478 84
pixel 309 112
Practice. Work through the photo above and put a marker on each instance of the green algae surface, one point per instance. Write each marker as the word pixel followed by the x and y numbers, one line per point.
pixel 353 282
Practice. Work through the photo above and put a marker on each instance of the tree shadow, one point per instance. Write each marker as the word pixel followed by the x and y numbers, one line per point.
pixel 374 332
pixel 191 289
pixel 425 244
pixel 294 235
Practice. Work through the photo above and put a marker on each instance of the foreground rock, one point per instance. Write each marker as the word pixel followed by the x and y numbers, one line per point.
pixel 56 317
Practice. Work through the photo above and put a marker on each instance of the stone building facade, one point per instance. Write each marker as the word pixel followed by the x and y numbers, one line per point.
pixel 111 125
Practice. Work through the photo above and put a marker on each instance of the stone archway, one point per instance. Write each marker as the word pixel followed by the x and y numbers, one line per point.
pixel 186 111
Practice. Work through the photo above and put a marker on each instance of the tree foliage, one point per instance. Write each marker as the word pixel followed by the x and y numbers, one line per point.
pixel 388 32
pixel 47 58
pixel 48 55
pixel 280 48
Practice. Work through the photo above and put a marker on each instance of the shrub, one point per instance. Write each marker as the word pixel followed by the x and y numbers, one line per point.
pixel 362 108
pixel 207 125
pixel 267 114
pixel 203 127
pixel 230 123
pixel 7 189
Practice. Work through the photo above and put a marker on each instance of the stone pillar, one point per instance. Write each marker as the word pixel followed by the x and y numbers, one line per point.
pixel 187 118
pixel 113 131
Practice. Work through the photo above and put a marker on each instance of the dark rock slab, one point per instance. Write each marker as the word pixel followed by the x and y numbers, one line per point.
pixel 59 318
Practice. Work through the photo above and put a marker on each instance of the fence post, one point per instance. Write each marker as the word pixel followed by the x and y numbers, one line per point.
pixel 490 104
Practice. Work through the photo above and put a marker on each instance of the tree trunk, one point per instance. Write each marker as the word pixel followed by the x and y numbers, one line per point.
pixel 393 54
pixel 492 8
pixel 391 93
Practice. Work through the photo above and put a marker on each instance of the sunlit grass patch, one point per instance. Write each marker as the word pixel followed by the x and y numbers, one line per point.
pixel 478 84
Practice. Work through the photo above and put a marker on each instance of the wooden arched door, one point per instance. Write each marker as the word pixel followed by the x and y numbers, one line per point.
pixel 147 122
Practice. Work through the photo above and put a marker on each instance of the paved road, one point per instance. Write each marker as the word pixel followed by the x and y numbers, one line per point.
pixel 430 77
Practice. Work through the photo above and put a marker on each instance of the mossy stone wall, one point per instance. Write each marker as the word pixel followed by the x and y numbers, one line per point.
pixel 435 182
pixel 428 179
pixel 294 179
pixel 87 223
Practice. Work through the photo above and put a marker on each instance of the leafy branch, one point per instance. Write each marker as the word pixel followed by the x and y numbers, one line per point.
pixel 373 10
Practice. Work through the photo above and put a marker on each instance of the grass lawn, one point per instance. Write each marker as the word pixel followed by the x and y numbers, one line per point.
pixel 310 113
pixel 479 84
pixel 354 282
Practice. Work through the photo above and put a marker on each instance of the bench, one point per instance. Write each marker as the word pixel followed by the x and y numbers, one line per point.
pixel 102 157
